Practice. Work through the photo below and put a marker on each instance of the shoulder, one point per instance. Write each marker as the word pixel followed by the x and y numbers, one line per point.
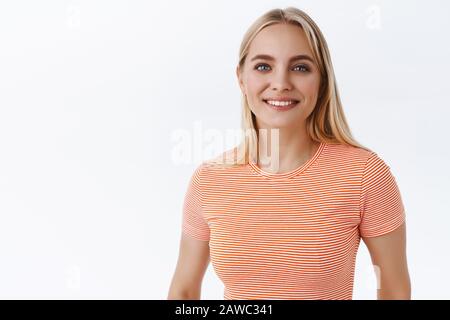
pixel 366 163
pixel 214 166
pixel 348 154
pixel 347 159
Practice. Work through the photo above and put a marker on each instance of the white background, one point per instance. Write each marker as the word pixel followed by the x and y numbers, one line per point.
pixel 91 93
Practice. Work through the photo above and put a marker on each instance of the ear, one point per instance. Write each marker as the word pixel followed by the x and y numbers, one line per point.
pixel 239 77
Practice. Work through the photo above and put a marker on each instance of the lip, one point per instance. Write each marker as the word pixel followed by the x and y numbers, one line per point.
pixel 281 99
pixel 281 108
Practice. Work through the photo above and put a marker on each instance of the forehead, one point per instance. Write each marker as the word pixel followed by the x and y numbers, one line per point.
pixel 281 41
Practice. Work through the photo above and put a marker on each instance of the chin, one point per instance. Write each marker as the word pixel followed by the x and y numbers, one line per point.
pixel 280 122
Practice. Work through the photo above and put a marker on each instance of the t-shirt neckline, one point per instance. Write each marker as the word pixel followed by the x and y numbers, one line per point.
pixel 293 172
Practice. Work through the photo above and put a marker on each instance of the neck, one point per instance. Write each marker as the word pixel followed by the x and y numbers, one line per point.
pixel 283 149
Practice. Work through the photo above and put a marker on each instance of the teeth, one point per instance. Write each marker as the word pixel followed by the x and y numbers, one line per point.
pixel 280 103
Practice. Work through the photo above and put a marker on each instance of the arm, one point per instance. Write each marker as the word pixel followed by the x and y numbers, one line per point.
pixel 193 260
pixel 388 253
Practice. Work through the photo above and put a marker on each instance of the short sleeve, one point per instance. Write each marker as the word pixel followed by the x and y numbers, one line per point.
pixel 381 205
pixel 193 223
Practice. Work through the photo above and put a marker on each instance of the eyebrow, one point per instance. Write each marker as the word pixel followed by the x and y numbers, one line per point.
pixel 297 57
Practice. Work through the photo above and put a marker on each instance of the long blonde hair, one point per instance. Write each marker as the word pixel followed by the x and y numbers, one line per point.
pixel 327 122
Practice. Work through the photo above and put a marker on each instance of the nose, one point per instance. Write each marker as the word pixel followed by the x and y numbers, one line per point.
pixel 281 81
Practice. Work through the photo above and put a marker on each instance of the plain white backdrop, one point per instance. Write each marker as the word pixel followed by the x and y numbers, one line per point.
pixel 92 94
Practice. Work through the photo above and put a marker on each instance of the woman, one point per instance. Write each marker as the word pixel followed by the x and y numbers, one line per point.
pixel 288 226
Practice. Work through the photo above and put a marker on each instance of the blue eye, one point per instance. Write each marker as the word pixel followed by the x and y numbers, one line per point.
pixel 260 65
pixel 304 68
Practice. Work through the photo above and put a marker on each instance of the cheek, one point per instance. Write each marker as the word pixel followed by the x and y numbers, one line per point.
pixel 255 84
pixel 309 87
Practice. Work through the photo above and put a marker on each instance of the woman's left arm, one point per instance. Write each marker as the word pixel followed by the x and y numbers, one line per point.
pixel 388 253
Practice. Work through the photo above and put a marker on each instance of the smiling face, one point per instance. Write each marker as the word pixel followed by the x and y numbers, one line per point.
pixel 280 65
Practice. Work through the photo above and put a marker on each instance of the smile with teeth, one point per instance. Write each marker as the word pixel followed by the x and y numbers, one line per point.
pixel 281 103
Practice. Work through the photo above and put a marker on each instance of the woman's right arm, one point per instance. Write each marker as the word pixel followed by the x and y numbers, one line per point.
pixel 193 260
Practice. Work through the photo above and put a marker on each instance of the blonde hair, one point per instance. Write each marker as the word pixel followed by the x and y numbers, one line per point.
pixel 327 122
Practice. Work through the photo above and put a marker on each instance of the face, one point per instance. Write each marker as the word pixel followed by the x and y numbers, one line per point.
pixel 280 66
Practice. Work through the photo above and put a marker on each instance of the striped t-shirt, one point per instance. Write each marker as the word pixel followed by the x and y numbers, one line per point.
pixel 292 235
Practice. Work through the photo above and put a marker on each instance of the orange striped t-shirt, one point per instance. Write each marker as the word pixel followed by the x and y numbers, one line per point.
pixel 292 235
